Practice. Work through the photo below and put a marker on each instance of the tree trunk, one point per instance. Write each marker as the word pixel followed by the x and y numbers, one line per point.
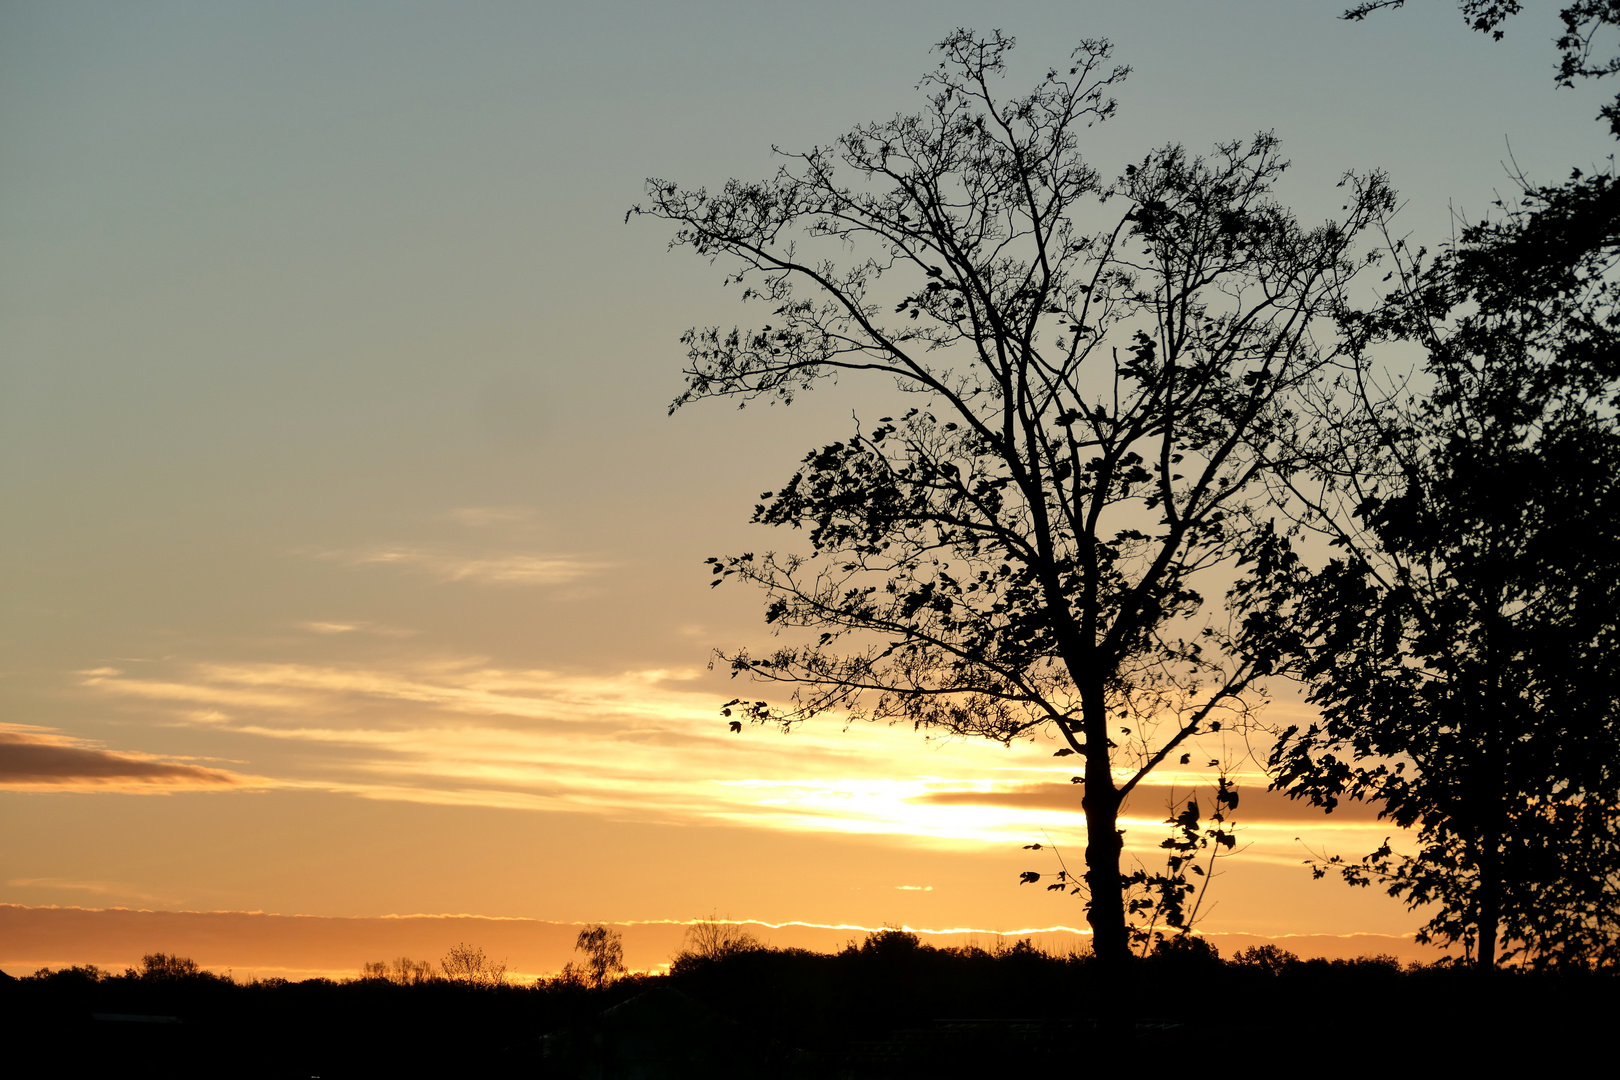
pixel 1490 904
pixel 1489 786
pixel 1488 897
pixel 1110 940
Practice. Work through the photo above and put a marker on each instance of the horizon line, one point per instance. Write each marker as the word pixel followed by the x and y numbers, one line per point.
pixel 774 925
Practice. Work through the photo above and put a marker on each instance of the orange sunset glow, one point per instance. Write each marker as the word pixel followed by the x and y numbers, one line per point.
pixel 353 559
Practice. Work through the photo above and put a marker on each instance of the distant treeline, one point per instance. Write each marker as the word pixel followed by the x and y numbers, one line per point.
pixel 889 1005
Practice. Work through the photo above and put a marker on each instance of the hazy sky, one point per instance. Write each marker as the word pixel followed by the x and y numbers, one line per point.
pixel 348 560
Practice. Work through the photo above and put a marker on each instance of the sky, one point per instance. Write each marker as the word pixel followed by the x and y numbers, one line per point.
pixel 350 566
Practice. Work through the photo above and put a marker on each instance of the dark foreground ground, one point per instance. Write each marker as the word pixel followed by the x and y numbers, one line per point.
pixel 890 1008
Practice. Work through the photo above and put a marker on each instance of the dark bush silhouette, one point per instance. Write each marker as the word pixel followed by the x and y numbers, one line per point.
pixel 713 939
pixel 1270 959
pixel 88 973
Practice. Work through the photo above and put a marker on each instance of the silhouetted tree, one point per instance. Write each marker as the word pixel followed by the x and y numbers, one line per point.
pixel 1169 899
pixel 1270 959
pixel 1464 649
pixel 715 939
pixel 407 972
pixel 1556 229
pixel 402 972
pixel 467 965
pixel 1100 372
pixel 604 957
pixel 162 967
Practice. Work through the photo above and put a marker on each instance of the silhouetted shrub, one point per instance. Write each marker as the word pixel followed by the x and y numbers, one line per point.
pixel 83 974
pixel 1021 947
pixel 164 968
pixel 890 942
pixel 1268 959
pixel 1185 949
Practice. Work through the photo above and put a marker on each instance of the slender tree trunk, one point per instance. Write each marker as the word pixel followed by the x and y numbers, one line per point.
pixel 1490 902
pixel 1109 938
pixel 1489 895
pixel 1488 786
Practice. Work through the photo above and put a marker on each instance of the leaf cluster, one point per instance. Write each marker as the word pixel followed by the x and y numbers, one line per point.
pixel 1583 23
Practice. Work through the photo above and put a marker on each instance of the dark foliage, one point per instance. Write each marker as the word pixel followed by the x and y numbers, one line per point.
pixel 1580 51
pixel 1464 649
pixel 84 1022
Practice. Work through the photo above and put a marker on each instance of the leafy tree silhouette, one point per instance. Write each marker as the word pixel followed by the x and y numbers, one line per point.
pixel 163 967
pixel 1463 651
pixel 468 966
pixel 1101 372
pixel 604 957
pixel 1463 648
pixel 1269 959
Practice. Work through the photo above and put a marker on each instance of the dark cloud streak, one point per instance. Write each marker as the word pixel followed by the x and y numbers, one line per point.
pixel 1254 803
pixel 37 760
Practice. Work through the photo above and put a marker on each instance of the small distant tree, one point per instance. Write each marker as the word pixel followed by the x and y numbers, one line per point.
pixel 1268 958
pixel 604 957
pixel 162 967
pixel 716 939
pixel 891 942
pixel 402 972
pixel 468 966
pixel 408 972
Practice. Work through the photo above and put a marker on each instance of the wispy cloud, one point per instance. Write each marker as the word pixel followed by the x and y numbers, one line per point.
pixel 646 745
pixel 328 628
pixel 118 889
pixel 33 758
pixel 522 568
pixel 1255 801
